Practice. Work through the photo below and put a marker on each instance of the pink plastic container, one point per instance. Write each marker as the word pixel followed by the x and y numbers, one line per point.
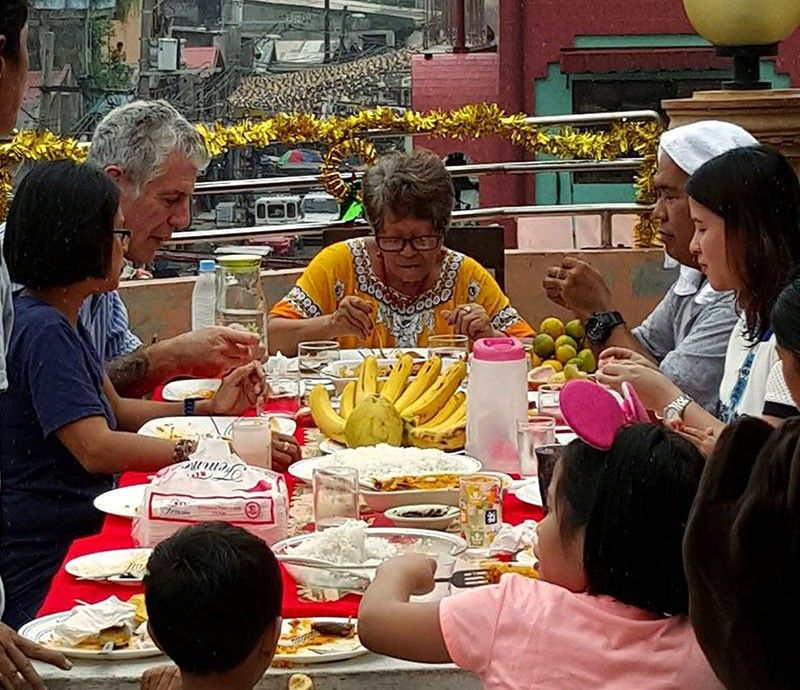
pixel 497 396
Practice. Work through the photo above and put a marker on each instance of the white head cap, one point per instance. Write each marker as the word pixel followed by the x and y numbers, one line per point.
pixel 692 145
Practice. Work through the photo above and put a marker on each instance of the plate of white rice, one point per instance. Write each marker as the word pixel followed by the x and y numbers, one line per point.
pixel 384 461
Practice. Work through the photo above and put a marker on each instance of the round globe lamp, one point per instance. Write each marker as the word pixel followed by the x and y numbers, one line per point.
pixel 745 30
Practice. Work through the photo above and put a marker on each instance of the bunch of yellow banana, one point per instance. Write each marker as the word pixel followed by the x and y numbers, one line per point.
pixel 433 410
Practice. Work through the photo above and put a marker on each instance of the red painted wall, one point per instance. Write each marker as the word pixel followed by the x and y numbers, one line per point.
pixel 531 35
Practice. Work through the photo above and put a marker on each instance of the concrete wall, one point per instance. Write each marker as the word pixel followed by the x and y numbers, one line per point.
pixel 637 277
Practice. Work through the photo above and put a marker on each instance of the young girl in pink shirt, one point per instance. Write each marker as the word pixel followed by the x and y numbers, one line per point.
pixel 610 609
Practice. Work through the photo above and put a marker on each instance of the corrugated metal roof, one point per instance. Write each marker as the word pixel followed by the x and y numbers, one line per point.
pixel 73 4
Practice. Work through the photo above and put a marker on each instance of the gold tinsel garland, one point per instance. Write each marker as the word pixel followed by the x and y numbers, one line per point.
pixel 346 135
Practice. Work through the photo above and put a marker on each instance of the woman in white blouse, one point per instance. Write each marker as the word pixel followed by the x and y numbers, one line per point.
pixel 745 205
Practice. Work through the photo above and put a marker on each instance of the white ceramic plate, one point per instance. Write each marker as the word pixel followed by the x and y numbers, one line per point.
pixel 41 629
pixel 123 502
pixel 304 469
pixel 530 494
pixel 399 516
pixel 176 428
pixel 327 446
pixel 332 651
pixel 177 391
pixel 100 565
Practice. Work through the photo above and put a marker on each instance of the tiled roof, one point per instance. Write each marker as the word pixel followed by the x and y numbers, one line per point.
pixel 307 90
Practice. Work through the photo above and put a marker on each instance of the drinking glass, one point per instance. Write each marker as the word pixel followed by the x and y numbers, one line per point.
pixel 532 433
pixel 251 438
pixel 312 357
pixel 336 496
pixel 454 347
pixel 481 504
pixel 546 459
pixel 547 401
pixel 527 344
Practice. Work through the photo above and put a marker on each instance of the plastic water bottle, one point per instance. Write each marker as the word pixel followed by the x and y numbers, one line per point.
pixel 204 296
pixel 497 396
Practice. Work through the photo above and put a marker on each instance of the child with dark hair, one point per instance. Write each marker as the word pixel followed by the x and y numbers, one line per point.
pixel 610 609
pixel 743 558
pixel 214 595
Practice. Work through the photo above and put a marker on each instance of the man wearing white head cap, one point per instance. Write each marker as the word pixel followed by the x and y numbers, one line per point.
pixel 687 333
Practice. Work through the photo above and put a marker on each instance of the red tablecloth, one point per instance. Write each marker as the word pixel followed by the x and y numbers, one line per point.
pixel 116 534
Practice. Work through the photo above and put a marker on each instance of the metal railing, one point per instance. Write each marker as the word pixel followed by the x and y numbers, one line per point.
pixel 271 184
pixel 605 211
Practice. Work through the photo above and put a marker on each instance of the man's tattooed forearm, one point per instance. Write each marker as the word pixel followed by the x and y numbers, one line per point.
pixel 128 373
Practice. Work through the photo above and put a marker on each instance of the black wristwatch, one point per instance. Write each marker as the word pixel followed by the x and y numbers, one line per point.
pixel 600 324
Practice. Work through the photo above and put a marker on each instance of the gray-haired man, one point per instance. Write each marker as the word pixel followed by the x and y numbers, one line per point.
pixel 154 155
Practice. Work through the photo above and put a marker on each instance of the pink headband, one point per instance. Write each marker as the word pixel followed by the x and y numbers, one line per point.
pixel 595 415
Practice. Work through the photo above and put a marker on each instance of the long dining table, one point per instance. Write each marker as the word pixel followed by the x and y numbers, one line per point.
pixel 368 671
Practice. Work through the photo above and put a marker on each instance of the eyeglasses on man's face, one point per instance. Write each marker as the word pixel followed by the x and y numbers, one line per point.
pixel 420 243
pixel 124 237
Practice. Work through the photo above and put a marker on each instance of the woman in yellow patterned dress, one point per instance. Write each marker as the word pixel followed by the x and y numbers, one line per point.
pixel 402 285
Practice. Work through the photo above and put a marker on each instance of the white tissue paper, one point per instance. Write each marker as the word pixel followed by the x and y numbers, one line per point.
pixel 214 484
pixel 513 538
pixel 88 620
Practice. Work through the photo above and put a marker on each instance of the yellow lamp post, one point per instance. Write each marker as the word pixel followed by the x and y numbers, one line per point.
pixel 745 30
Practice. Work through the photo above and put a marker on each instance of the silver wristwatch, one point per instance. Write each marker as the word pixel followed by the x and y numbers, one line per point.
pixel 674 411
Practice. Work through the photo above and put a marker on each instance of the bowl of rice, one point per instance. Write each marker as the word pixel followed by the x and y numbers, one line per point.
pixel 345 558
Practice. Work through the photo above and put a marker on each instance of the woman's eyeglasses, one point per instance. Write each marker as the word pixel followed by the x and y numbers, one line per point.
pixel 397 244
pixel 124 236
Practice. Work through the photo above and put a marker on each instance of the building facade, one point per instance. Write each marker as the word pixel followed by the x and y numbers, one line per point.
pixel 555 58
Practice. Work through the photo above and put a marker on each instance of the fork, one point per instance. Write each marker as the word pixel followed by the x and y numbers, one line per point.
pixel 380 344
pixel 466 578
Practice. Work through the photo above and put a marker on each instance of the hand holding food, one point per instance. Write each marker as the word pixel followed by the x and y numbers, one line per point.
pixel 240 391
pixel 578 286
pixel 215 351
pixel 655 390
pixel 15 655
pixel 613 355
pixel 471 320
pixel 353 317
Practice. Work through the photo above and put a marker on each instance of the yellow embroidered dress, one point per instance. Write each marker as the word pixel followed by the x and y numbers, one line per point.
pixel 400 321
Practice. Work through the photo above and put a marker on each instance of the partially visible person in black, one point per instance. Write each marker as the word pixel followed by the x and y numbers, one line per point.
pixel 742 556
pixel 786 323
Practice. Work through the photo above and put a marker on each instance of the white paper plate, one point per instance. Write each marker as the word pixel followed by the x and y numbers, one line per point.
pixel 105 561
pixel 530 494
pixel 40 630
pixel 123 502
pixel 194 427
pixel 525 557
pixel 347 649
pixel 177 391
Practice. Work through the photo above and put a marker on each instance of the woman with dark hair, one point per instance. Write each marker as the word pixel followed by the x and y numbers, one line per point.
pixel 64 431
pixel 742 555
pixel 609 609
pixel 745 205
